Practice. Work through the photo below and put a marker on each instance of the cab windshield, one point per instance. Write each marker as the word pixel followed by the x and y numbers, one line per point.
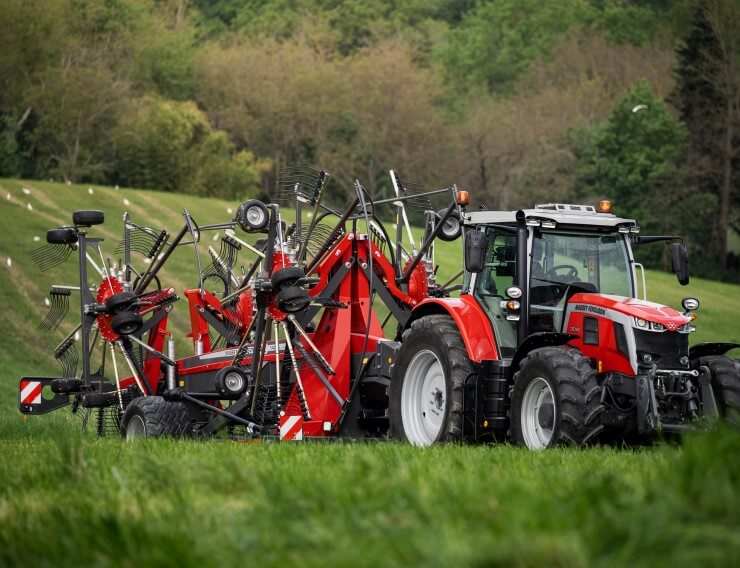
pixel 562 265
pixel 567 263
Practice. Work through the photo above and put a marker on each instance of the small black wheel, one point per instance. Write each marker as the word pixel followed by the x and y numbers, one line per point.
pixel 232 382
pixel 285 277
pixel 426 392
pixel 155 417
pixel 292 299
pixel 252 216
pixel 119 301
pixel 126 323
pixel 726 386
pixel 61 236
pixel 66 386
pixel 99 399
pixel 556 400
pixel 88 218
pixel 452 227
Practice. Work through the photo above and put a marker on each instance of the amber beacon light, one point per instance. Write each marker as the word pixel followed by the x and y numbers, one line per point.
pixel 605 206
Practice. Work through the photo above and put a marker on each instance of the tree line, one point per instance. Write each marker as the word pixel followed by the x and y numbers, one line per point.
pixel 520 101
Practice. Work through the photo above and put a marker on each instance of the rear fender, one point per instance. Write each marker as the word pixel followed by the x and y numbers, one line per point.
pixel 470 320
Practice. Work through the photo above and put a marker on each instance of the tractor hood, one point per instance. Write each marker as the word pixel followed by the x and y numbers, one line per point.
pixel 642 309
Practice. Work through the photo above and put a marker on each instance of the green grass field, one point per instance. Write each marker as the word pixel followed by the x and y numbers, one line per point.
pixel 71 498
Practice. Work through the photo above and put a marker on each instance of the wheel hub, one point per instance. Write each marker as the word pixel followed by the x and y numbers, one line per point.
pixel 538 414
pixel 423 399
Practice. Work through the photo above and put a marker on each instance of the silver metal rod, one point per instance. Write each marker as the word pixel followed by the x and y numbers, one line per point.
pixel 304 335
pixel 157 354
pixel 404 217
pixel 95 266
pixel 115 372
pixel 278 364
pixel 132 368
pixel 301 394
pixel 245 244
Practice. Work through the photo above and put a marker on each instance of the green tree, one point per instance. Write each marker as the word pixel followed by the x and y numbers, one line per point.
pixel 170 145
pixel 497 41
pixel 632 159
pixel 708 95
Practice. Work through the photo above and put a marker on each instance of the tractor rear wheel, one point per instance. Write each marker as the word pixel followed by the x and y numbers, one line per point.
pixel 726 386
pixel 426 392
pixel 556 400
pixel 154 417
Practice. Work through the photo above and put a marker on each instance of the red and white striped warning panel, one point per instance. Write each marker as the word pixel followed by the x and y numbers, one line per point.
pixel 31 392
pixel 291 428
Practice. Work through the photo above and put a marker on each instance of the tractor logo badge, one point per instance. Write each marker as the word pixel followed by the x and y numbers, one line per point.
pixel 291 428
pixel 671 325
pixel 31 392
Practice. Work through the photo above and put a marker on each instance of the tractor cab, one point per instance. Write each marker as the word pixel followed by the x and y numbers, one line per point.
pixel 536 260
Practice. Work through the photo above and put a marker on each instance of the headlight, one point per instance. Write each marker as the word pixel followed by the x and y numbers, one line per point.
pixel 690 304
pixel 641 323
pixel 657 326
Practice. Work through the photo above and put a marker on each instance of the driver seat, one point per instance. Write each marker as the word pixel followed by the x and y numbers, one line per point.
pixel 573 288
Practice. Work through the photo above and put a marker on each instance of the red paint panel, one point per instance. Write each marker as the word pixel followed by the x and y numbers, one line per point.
pixel 474 326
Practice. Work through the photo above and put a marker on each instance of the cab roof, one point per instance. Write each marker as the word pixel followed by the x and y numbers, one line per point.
pixel 565 214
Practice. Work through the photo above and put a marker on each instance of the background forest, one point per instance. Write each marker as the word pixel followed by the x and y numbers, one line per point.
pixel 519 101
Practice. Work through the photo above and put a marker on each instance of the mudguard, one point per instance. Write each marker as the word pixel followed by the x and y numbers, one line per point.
pixel 471 321
pixel 703 349
pixel 537 340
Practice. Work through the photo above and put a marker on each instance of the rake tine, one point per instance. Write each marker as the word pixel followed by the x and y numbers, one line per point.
pixel 50 255
pixel 59 300
pixel 67 356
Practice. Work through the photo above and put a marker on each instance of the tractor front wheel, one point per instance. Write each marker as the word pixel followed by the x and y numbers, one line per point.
pixel 726 386
pixel 426 392
pixel 154 417
pixel 556 400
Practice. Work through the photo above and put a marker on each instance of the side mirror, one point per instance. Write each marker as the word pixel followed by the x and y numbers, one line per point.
pixel 476 245
pixel 680 262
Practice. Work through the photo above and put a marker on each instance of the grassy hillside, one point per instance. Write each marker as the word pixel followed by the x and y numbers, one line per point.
pixel 70 498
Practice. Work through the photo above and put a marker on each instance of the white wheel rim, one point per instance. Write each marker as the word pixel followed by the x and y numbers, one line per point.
pixel 536 428
pixel 423 399
pixel 135 428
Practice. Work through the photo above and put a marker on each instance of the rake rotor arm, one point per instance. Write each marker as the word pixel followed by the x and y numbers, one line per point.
pixel 427 243
pixel 151 273
pixel 332 237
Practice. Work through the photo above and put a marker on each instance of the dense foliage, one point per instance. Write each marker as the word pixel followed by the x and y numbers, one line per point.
pixel 517 100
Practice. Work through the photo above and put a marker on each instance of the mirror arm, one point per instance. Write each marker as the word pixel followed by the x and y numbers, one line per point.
pixel 643 240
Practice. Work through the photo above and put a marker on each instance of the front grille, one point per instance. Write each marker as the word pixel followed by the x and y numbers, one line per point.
pixel 666 347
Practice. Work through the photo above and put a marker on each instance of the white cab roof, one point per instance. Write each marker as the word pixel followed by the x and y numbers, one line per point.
pixel 560 213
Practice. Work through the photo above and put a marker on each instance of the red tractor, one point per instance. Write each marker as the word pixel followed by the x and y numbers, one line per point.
pixel 549 343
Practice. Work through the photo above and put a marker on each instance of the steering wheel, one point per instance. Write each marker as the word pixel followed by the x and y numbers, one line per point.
pixel 571 274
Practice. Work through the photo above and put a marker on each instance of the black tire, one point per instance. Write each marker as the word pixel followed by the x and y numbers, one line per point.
pixel 88 218
pixel 438 335
pixel 575 417
pixel 285 277
pixel 66 386
pixel 292 300
pixel 259 219
pixel 155 417
pixel 452 228
pixel 119 301
pixel 99 399
pixel 726 386
pixel 126 323
pixel 61 236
